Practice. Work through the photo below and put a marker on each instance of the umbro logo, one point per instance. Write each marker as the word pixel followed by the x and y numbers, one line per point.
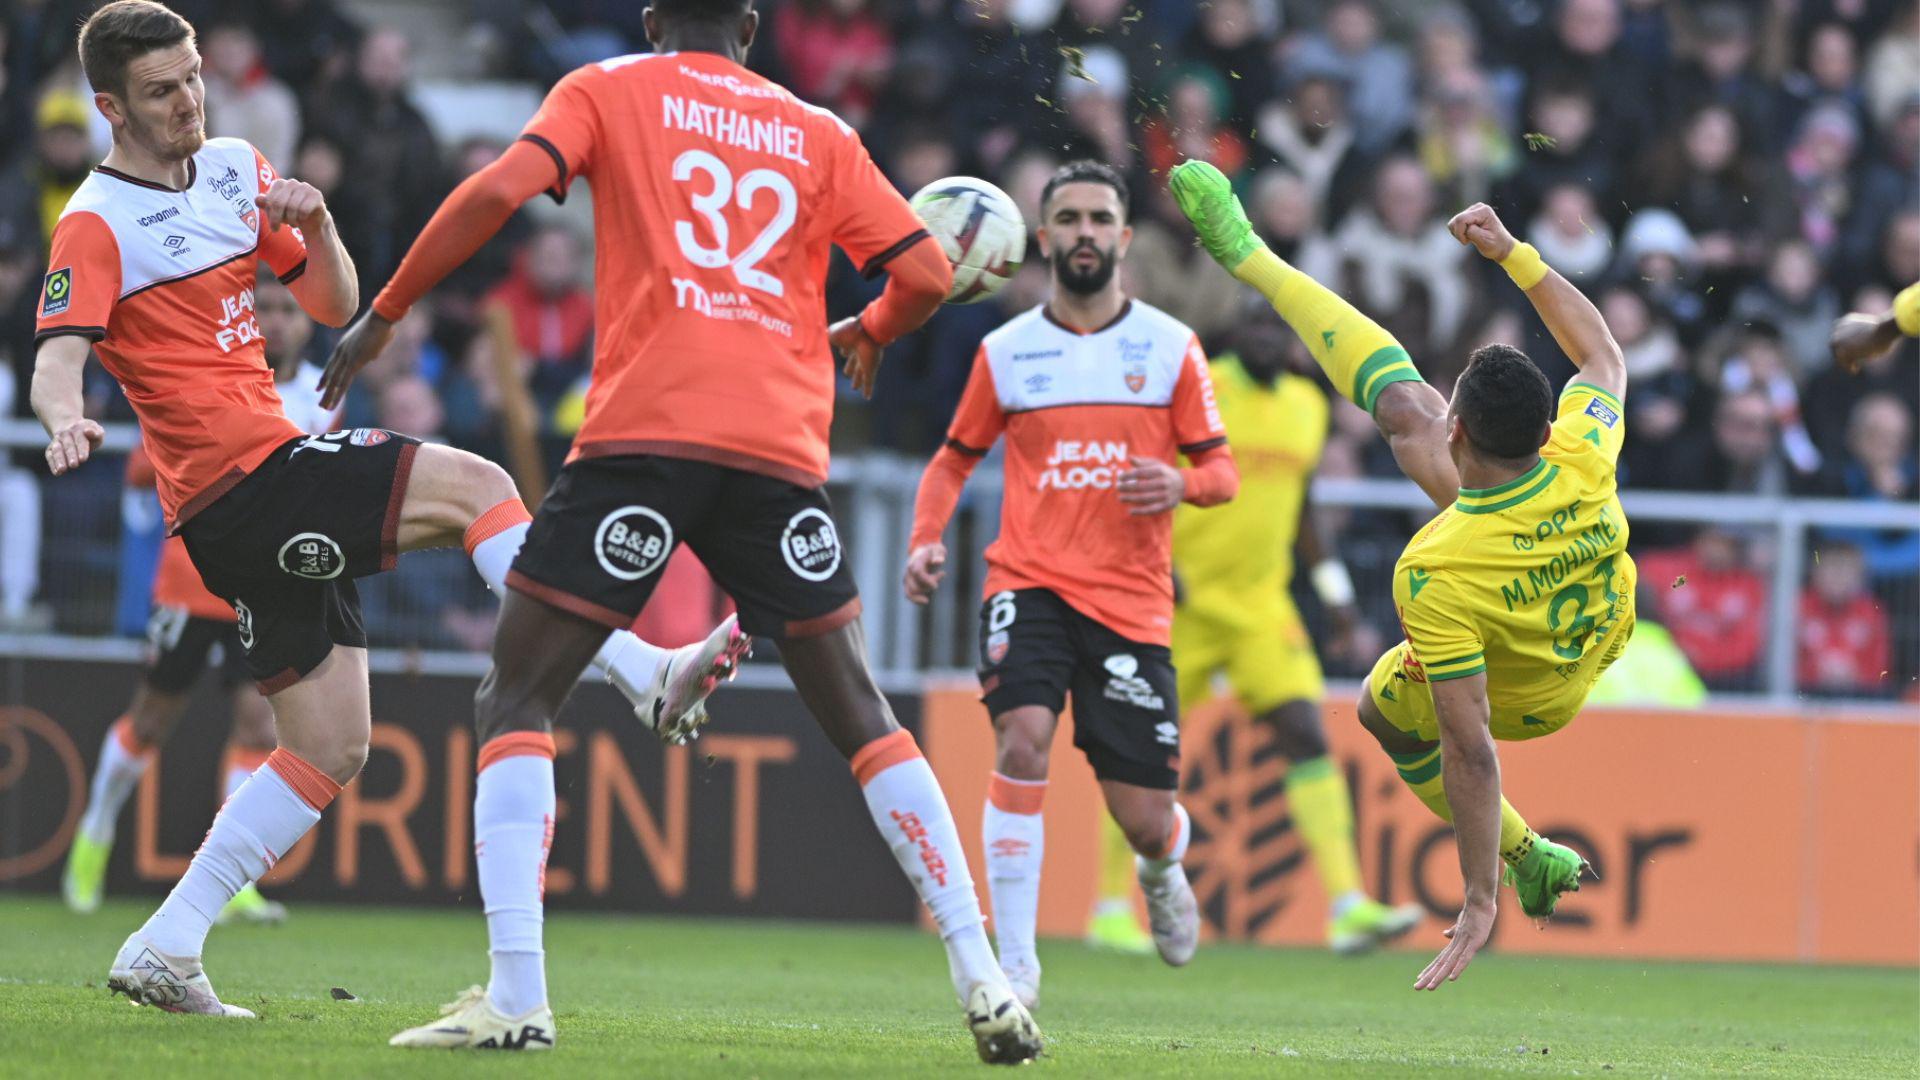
pixel 176 240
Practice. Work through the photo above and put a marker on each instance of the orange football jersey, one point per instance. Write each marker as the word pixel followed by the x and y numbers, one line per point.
pixel 716 198
pixel 162 282
pixel 1075 409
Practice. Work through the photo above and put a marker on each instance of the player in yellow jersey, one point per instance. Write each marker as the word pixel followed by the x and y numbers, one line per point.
pixel 1236 618
pixel 1519 593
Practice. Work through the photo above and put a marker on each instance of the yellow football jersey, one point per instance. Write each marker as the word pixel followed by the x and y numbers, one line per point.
pixel 1246 546
pixel 1529 581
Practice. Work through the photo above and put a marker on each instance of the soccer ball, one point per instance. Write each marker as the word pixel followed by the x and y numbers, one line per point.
pixel 979 228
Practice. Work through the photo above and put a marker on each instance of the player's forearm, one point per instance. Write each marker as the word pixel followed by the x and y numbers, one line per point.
pixel 1906 311
pixel 1575 323
pixel 939 493
pixel 1470 772
pixel 58 391
pixel 917 283
pixel 329 290
pixel 1213 478
pixel 470 217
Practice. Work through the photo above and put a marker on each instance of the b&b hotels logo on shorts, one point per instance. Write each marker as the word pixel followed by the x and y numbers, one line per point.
pixel 1127 685
pixel 312 555
pixel 632 542
pixel 811 545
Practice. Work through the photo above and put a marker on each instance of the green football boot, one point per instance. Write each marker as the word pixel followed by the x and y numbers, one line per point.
pixel 1370 923
pixel 1207 198
pixel 85 880
pixel 1547 870
pixel 1116 930
pixel 248 905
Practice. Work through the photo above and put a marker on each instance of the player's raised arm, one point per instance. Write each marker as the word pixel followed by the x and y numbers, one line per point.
pixel 58 402
pixel 1573 320
pixel 470 217
pixel 324 283
pixel 1471 774
pixel 977 424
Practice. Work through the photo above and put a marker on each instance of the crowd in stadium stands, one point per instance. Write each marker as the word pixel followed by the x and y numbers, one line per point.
pixel 1724 177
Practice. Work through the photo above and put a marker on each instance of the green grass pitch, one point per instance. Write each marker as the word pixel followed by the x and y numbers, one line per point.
pixel 677 997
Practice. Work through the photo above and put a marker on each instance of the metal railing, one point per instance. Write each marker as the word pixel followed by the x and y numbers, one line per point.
pixel 873 495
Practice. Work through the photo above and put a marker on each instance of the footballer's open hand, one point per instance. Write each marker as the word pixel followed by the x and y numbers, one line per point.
pixel 926 567
pixel 1151 487
pixel 1465 938
pixel 73 444
pixel 1479 226
pixel 861 354
pixel 293 202
pixel 365 339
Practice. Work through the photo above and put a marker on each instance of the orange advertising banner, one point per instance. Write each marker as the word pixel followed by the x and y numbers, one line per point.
pixel 1716 834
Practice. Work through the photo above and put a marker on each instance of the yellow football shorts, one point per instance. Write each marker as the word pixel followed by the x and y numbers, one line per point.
pixel 1261 646
pixel 1408 705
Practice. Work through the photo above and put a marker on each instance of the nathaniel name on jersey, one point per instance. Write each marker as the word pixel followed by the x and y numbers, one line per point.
pixel 1075 409
pixel 1529 580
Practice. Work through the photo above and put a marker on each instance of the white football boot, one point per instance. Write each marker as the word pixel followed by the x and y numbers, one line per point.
pixel 674 704
pixel 174 983
pixel 1023 975
pixel 1003 1031
pixel 470 1022
pixel 1172 913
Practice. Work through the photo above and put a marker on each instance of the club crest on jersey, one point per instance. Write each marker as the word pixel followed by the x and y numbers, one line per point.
pixel 57 293
pixel 368 436
pixel 1137 377
pixel 312 555
pixel 811 545
pixel 632 542
pixel 1602 412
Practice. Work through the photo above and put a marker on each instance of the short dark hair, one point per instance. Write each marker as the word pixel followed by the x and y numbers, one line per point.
pixel 1504 401
pixel 122 32
pixel 1087 171
pixel 702 11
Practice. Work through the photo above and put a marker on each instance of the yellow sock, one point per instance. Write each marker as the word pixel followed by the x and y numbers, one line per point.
pixel 1116 864
pixel 1421 772
pixel 1359 356
pixel 1323 812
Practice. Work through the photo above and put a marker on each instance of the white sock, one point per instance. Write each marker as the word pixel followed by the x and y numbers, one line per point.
pixel 1154 868
pixel 913 818
pixel 625 661
pixel 263 820
pixel 1013 836
pixel 513 807
pixel 114 779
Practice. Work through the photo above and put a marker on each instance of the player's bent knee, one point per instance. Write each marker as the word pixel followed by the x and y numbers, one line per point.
pixel 1148 830
pixel 499 710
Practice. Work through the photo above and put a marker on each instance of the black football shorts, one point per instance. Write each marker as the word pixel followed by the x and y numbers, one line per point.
pixel 284 545
pixel 609 524
pixel 181 644
pixel 1035 649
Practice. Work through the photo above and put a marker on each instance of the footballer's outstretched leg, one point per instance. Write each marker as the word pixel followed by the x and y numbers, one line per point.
pixel 830 672
pixel 1159 830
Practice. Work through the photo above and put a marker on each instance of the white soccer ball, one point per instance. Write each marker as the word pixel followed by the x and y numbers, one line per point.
pixel 979 228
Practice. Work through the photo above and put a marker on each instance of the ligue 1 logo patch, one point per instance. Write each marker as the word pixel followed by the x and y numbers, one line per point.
pixel 1602 412
pixel 811 545
pixel 632 542
pixel 312 555
pixel 57 293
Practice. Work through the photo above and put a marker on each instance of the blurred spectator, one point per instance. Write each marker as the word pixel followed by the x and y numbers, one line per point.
pixel 306 42
pixel 244 100
pixel 1572 235
pixel 1004 81
pixel 1720 71
pixel 389 153
pixel 1562 148
pixel 836 53
pixel 1282 209
pixel 1794 298
pixel 1706 173
pixel 1399 262
pixel 1462 143
pixel 1891 63
pixel 546 303
pixel 1714 604
pixel 1308 131
pixel 20 471
pixel 37 185
pixel 1888 190
pixel 1093 92
pixel 1739 453
pixel 1191 125
pixel 1585 45
pixel 1828 72
pixel 1820 172
pixel 1845 647
pixel 1658 253
pixel 1378 73
pixel 1753 358
pixel 1832 394
pixel 1226 38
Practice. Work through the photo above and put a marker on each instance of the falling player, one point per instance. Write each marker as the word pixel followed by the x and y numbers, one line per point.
pixel 1236 615
pixel 1096 394
pixel 717 195
pixel 189 627
pixel 1519 594
pixel 153 265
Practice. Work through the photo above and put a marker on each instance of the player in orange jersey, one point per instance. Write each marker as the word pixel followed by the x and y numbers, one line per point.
pixel 190 629
pixel 717 195
pixel 153 267
pixel 1095 394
